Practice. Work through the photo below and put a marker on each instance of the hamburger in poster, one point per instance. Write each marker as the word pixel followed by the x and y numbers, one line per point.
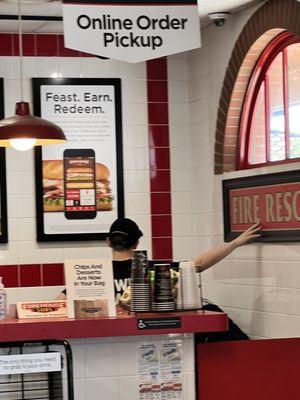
pixel 78 176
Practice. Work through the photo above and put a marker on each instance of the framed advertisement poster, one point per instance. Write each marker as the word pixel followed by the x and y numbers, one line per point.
pixel 79 184
pixel 3 194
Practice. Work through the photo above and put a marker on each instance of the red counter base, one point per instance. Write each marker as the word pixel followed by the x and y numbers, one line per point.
pixel 249 370
pixel 122 325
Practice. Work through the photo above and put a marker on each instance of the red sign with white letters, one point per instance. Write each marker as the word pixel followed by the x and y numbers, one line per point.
pixel 272 199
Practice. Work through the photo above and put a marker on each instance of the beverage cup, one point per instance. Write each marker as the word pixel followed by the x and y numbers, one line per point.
pixel 162 294
pixel 188 287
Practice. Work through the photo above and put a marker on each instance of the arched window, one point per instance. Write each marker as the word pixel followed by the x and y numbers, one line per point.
pixel 270 121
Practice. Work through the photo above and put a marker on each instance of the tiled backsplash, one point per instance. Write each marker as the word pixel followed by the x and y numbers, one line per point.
pixel 258 284
pixel 146 156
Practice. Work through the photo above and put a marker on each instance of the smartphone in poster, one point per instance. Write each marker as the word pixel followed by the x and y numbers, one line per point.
pixel 90 290
pixel 79 183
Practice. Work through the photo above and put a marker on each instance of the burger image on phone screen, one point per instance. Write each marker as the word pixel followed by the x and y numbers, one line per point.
pixel 53 184
pixel 80 174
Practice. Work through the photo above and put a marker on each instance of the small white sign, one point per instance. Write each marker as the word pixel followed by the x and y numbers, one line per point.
pixel 131 33
pixel 90 289
pixel 30 363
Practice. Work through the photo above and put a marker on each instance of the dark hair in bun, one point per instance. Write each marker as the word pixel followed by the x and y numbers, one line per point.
pixel 120 240
pixel 123 234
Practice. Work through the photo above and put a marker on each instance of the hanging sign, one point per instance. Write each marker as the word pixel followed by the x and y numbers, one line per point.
pixel 132 31
pixel 272 199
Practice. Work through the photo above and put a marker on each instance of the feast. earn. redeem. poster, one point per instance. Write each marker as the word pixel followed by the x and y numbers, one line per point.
pixel 79 183
pixel 90 290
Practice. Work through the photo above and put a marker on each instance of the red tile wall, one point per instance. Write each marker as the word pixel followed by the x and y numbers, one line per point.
pixel 43 45
pixel 37 45
pixel 159 159
pixel 27 275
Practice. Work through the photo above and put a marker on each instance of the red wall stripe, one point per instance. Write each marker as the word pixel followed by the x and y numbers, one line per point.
pixel 159 159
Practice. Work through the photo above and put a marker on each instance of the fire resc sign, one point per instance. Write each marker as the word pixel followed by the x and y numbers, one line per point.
pixel 132 33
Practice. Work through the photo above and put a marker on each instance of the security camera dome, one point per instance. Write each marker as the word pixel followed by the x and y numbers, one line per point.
pixel 219 18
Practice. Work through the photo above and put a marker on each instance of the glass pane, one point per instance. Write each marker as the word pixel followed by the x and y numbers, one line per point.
pixel 276 109
pixel 257 140
pixel 293 59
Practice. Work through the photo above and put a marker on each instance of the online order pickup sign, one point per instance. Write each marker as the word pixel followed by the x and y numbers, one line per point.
pixel 132 31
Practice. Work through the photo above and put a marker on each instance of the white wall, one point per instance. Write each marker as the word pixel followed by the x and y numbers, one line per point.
pixel 100 365
pixel 258 284
pixel 105 368
pixel 110 366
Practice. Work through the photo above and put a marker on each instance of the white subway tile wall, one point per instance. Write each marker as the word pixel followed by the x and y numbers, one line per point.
pixel 100 365
pixel 22 247
pixel 258 284
pixel 110 366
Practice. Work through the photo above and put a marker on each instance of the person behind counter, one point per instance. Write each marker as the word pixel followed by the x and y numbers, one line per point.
pixel 123 239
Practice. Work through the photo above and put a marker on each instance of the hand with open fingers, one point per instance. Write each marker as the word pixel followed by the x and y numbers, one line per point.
pixel 249 235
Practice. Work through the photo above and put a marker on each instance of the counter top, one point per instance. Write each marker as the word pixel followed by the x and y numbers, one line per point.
pixel 14 330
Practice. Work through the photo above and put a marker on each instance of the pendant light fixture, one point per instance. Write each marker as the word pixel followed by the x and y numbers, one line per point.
pixel 24 131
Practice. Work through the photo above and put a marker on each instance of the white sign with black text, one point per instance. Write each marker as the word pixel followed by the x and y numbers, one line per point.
pixel 131 33
pixel 90 289
pixel 30 363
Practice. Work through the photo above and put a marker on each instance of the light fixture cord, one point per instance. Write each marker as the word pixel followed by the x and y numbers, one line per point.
pixel 20 48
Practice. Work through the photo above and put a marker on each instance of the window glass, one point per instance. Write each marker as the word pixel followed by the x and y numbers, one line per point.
pixel 293 71
pixel 272 103
pixel 274 79
pixel 258 130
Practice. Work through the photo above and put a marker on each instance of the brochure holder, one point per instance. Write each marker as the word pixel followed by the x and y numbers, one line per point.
pixel 36 369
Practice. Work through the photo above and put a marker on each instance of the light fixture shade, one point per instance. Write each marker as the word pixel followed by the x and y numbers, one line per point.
pixel 24 126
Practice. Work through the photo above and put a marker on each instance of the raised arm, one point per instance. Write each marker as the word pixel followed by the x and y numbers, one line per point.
pixel 211 257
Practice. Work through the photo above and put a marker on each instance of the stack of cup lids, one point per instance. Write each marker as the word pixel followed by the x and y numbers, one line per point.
pixel 140 286
pixel 140 297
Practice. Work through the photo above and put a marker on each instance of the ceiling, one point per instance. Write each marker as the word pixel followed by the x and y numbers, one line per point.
pixel 53 8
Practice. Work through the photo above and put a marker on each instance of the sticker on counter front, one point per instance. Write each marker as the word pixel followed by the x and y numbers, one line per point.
pixel 160 370
pixel 30 363
pixel 41 309
pixel 159 323
pixel 149 379
pixel 170 357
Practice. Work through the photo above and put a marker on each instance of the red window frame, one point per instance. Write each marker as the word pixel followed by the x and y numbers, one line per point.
pixel 276 46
